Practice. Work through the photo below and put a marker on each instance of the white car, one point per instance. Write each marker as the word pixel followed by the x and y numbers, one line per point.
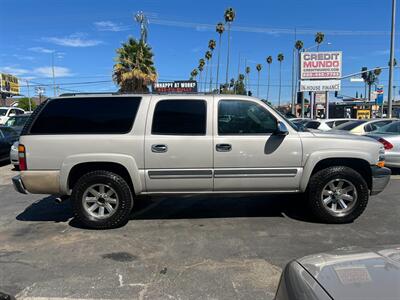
pixel 364 126
pixel 325 124
pixel 7 112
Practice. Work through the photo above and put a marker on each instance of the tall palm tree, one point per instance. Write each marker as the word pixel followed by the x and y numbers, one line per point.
pixel 201 68
pixel 269 62
pixel 319 38
pixel 194 74
pixel 220 30
pixel 280 59
pixel 207 56
pixel 229 16
pixel 247 70
pixel 211 45
pixel 258 67
pixel 134 69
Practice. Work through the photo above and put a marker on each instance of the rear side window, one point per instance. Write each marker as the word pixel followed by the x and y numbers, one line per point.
pixel 103 115
pixel 180 117
pixel 313 124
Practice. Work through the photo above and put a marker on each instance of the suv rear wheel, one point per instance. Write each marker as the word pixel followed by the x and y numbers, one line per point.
pixel 101 200
pixel 337 194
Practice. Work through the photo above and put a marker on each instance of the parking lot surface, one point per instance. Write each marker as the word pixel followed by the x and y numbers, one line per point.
pixel 197 247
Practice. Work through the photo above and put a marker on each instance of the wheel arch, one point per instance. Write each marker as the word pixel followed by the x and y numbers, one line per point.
pixel 76 166
pixel 359 164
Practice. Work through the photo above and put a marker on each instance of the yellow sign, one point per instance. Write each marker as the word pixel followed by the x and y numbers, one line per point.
pixel 9 84
pixel 363 114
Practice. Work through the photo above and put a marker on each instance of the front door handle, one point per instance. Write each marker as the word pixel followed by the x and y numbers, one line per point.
pixel 223 147
pixel 159 148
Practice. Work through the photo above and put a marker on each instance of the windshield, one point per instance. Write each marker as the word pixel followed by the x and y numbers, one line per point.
pixel 17 121
pixel 350 125
pixel 392 128
pixel 3 112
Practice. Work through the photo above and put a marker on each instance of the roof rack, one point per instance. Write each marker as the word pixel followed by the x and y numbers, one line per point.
pixel 119 93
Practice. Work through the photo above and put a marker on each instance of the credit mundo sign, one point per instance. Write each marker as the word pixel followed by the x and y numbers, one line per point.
pixel 321 65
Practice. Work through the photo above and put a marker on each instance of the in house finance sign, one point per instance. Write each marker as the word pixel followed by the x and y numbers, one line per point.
pixel 321 71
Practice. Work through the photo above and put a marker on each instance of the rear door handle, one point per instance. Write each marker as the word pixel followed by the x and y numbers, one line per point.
pixel 223 147
pixel 159 148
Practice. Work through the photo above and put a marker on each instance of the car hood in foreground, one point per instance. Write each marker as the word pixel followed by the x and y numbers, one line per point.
pixel 357 273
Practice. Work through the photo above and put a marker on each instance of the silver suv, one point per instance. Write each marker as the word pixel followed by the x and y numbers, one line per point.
pixel 105 150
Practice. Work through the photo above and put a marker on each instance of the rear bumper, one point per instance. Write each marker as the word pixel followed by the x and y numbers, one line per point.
pixel 38 182
pixel 380 179
pixel 18 185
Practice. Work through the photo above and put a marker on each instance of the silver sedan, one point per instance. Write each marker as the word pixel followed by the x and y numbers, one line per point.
pixel 389 136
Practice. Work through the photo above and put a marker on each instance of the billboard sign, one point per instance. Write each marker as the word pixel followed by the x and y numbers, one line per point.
pixel 183 86
pixel 332 85
pixel 321 65
pixel 9 84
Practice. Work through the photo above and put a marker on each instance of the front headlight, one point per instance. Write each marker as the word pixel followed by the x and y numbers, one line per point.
pixel 14 147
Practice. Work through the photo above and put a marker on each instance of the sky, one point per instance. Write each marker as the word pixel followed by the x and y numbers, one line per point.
pixel 82 35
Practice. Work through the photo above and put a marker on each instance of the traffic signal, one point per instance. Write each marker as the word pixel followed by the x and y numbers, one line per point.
pixel 336 94
pixel 300 97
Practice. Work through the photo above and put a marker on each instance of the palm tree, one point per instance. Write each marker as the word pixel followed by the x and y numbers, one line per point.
pixel 207 56
pixel 319 38
pixel 258 67
pixel 269 62
pixel 194 74
pixel 229 16
pixel 134 68
pixel 247 70
pixel 280 59
pixel 201 68
pixel 220 30
pixel 211 45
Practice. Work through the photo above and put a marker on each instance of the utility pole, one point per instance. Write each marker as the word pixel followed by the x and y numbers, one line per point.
pixel 29 97
pixel 391 59
pixel 294 85
pixel 54 78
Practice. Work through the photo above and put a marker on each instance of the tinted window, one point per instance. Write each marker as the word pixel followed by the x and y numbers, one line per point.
pixel 244 117
pixel 376 125
pixel 312 124
pixel 390 128
pixel 350 125
pixel 17 121
pixel 337 123
pixel 330 124
pixel 180 117
pixel 87 116
pixel 3 112
pixel 8 132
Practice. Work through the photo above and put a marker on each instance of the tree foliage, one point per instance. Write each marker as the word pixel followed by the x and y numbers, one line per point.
pixel 134 68
pixel 24 104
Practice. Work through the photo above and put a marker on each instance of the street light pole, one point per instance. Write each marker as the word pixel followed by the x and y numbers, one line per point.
pixel 391 59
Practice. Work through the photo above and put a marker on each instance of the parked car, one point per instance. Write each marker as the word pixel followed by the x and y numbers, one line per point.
pixel 17 122
pixel 389 136
pixel 7 137
pixel 104 150
pixel 7 112
pixel 364 126
pixel 350 273
pixel 325 124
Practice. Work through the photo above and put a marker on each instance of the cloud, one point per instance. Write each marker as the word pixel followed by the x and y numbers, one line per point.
pixel 23 57
pixel 14 71
pixel 48 72
pixel 109 26
pixel 74 40
pixel 41 50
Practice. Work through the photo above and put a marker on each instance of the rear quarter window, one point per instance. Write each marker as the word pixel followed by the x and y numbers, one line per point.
pixel 92 115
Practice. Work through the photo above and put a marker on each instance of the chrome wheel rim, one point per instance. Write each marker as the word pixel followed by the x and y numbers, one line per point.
pixel 100 201
pixel 339 197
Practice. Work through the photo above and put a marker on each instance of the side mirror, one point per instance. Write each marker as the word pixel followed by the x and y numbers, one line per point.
pixel 281 129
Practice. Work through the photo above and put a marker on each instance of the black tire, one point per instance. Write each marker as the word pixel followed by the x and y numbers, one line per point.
pixel 125 200
pixel 316 187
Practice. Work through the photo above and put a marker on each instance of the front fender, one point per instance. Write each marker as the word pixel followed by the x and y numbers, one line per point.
pixel 125 160
pixel 311 160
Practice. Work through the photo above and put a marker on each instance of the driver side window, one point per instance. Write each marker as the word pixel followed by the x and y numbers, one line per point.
pixel 238 117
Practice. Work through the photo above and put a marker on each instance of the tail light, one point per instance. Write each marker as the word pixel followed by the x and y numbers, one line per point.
pixel 386 144
pixel 22 157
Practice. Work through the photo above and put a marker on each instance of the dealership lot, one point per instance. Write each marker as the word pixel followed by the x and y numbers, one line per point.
pixel 226 247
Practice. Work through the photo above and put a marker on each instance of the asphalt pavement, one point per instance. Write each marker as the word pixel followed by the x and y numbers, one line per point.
pixel 192 247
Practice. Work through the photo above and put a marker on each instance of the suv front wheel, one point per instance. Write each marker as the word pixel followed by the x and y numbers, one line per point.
pixel 337 194
pixel 101 200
